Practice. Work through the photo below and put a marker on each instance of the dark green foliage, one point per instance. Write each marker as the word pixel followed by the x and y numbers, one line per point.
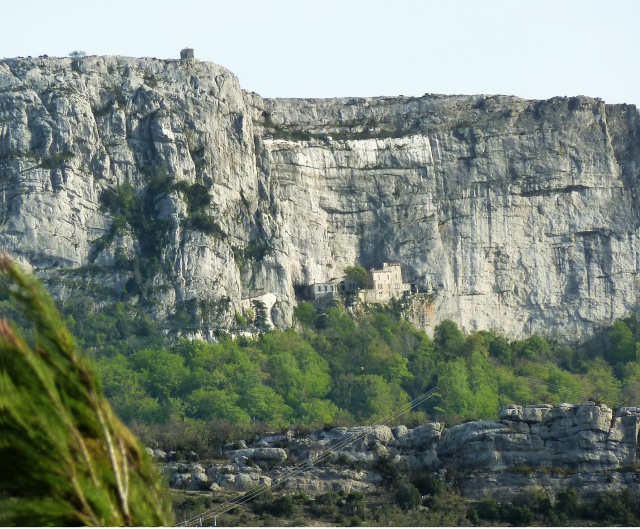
pixel 65 458
pixel 136 213
pixel 517 515
pixel 499 348
pixel 257 250
pixel 354 504
pixel 534 348
pixel 623 344
pixel 305 313
pixel 601 383
pixel 275 506
pixel 121 202
pixel 388 472
pixel 326 504
pixel 568 502
pixel 448 338
pixel 367 396
pixel 408 497
pixel 534 507
pixel 488 509
pixel 613 508
pixel 427 484
pixel 56 160
pixel 357 274
pixel 196 195
pixel 241 321
pixel 260 320
pixel 198 201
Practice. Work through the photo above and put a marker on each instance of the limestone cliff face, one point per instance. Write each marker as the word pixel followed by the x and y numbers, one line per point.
pixel 520 215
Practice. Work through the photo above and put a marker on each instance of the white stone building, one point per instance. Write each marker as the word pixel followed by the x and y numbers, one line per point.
pixel 384 283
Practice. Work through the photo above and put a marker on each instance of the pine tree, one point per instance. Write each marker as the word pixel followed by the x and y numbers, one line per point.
pixel 65 458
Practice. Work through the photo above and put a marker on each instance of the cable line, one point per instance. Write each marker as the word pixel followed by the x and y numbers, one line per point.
pixel 227 506
pixel 311 462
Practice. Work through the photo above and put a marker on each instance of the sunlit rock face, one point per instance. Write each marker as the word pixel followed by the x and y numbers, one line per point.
pixel 518 215
pixel 585 446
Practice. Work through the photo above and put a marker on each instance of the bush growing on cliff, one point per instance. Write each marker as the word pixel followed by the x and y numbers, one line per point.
pixel 448 339
pixel 357 274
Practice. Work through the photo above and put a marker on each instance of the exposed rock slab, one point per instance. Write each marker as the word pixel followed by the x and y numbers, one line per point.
pixel 583 445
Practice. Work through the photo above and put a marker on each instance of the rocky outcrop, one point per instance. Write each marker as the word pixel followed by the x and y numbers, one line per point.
pixel 517 215
pixel 581 438
pixel 584 446
pixel 505 485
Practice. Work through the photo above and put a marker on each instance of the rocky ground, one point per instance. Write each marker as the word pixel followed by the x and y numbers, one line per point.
pixel 585 446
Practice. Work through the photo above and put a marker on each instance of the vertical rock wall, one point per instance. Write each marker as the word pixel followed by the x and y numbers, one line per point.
pixel 519 215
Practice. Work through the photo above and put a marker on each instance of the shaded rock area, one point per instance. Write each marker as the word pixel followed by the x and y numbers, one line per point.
pixel 585 446
pixel 516 215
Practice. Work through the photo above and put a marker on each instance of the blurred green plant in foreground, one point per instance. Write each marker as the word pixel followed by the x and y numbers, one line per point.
pixel 65 458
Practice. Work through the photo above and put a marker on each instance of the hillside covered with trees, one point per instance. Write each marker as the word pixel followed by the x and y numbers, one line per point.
pixel 338 366
pixel 341 365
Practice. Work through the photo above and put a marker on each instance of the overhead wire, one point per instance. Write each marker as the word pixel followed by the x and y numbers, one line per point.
pixel 310 463
pixel 231 504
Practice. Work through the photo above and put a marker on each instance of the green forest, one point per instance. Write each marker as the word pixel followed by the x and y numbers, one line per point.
pixel 340 366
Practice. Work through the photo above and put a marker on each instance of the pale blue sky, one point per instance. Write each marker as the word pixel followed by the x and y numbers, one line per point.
pixel 295 48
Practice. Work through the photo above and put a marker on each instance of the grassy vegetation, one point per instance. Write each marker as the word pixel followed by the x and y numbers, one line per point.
pixel 406 504
pixel 66 459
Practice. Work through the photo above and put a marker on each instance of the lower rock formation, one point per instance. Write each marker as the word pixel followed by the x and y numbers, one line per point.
pixel 585 446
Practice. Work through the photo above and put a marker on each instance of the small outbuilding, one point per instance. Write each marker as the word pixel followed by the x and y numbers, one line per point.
pixel 186 53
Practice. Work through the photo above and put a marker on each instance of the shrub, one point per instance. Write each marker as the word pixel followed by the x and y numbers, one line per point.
pixel 568 502
pixel 519 515
pixel 305 313
pixel 488 509
pixel 388 471
pixel 427 484
pixel 613 508
pixel 408 497
pixel 473 516
pixel 355 504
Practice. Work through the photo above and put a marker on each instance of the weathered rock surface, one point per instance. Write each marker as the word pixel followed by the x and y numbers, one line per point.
pixel 580 437
pixel 505 485
pixel 583 445
pixel 277 455
pixel 519 215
